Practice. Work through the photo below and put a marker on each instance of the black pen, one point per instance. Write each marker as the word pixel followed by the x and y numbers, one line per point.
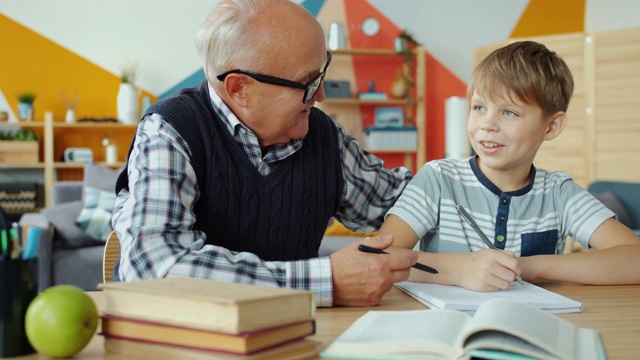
pixel 479 231
pixel 419 266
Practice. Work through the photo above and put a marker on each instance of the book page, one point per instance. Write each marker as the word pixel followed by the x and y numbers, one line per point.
pixel 458 298
pixel 401 334
pixel 506 325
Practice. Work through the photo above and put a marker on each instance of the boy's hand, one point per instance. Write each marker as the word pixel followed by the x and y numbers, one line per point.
pixel 361 279
pixel 487 270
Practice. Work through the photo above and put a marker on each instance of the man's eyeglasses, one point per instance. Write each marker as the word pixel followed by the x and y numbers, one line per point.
pixel 310 88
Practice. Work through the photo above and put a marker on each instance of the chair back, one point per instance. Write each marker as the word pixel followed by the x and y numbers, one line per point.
pixel 110 256
pixel 628 193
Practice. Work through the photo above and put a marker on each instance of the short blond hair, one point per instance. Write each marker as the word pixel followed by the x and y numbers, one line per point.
pixel 530 71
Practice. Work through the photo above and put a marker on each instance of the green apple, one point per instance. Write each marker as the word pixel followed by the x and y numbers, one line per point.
pixel 61 320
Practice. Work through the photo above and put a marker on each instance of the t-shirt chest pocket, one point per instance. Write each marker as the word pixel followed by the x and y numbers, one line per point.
pixel 539 243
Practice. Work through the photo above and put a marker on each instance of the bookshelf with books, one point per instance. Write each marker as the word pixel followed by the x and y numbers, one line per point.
pixel 349 111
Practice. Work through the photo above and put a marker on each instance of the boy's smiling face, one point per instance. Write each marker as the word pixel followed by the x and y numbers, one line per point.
pixel 506 133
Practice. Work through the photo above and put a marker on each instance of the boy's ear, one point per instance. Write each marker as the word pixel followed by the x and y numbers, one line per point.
pixel 556 125
pixel 235 86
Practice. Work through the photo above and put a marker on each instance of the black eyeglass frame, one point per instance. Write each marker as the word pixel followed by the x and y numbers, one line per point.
pixel 310 88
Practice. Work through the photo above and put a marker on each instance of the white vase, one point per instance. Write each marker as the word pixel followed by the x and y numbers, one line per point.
pixel 111 154
pixel 128 111
pixel 70 116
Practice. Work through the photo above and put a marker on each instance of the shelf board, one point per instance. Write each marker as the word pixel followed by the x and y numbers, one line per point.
pixel 95 125
pixel 6 165
pixel 23 123
pixel 354 101
pixel 80 165
pixel 62 124
pixel 381 52
pixel 392 151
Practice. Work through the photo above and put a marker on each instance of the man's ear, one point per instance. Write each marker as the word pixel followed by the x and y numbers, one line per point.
pixel 235 85
pixel 556 125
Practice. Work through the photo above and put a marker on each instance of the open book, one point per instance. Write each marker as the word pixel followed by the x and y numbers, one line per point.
pixel 438 296
pixel 500 329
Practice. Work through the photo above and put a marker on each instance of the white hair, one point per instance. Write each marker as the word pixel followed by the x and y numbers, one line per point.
pixel 224 39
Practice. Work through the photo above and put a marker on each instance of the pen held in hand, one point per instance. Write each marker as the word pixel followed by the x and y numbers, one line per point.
pixel 419 266
pixel 467 217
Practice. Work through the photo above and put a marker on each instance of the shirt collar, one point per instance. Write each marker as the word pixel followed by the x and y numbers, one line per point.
pixel 234 125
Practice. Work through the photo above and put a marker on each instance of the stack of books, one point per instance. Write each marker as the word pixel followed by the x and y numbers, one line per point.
pixel 190 318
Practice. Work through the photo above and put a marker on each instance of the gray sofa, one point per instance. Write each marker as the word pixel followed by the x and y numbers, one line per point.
pixel 66 254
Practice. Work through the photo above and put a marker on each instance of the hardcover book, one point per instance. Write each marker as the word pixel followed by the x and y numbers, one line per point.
pixel 208 305
pixel 300 349
pixel 245 343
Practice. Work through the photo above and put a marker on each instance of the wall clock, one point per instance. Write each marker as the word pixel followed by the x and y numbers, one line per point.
pixel 370 26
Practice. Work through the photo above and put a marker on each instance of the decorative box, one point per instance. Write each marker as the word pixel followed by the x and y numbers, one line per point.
pixel 17 151
pixel 390 138
pixel 337 89
pixel 17 198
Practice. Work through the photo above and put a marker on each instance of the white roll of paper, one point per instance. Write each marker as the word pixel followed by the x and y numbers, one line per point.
pixel 456 139
pixel 111 154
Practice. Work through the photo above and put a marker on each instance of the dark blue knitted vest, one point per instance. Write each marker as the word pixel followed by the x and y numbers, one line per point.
pixel 279 217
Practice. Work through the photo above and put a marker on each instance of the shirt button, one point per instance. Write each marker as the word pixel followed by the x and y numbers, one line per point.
pixel 501 218
pixel 505 201
pixel 500 238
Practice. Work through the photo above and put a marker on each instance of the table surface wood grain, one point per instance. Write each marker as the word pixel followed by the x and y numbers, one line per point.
pixel 612 310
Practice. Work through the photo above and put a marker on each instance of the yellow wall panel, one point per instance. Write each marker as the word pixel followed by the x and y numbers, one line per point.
pixel 31 62
pixel 545 17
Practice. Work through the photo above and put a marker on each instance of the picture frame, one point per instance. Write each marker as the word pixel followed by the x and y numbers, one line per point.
pixel 389 116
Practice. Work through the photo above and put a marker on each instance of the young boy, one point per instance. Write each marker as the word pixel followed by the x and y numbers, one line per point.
pixel 519 97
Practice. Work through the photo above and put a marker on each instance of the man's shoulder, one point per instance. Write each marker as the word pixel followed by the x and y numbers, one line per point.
pixel 180 102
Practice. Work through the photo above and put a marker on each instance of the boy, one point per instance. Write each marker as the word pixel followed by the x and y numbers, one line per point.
pixel 519 95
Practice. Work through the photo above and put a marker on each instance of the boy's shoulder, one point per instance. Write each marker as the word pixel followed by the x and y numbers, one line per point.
pixel 558 183
pixel 551 177
pixel 440 164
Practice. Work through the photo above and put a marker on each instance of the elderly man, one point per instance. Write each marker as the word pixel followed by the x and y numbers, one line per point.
pixel 236 180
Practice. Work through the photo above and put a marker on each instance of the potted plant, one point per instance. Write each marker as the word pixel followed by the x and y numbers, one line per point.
pixel 127 100
pixel 25 105
pixel 405 42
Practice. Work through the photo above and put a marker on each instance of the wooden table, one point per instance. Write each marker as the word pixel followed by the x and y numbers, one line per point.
pixel 612 310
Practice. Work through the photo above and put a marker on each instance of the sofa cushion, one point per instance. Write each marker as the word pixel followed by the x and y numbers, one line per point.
pixel 610 200
pixel 67 234
pixel 100 177
pixel 95 216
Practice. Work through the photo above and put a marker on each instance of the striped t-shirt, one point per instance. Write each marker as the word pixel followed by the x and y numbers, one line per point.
pixel 531 221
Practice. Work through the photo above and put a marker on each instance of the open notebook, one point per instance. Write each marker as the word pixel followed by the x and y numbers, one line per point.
pixel 438 296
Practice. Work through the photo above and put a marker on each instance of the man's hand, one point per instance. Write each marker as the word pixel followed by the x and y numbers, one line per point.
pixel 487 270
pixel 361 279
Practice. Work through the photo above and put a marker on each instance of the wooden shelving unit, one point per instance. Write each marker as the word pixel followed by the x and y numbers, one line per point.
pixel 417 103
pixel 55 137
